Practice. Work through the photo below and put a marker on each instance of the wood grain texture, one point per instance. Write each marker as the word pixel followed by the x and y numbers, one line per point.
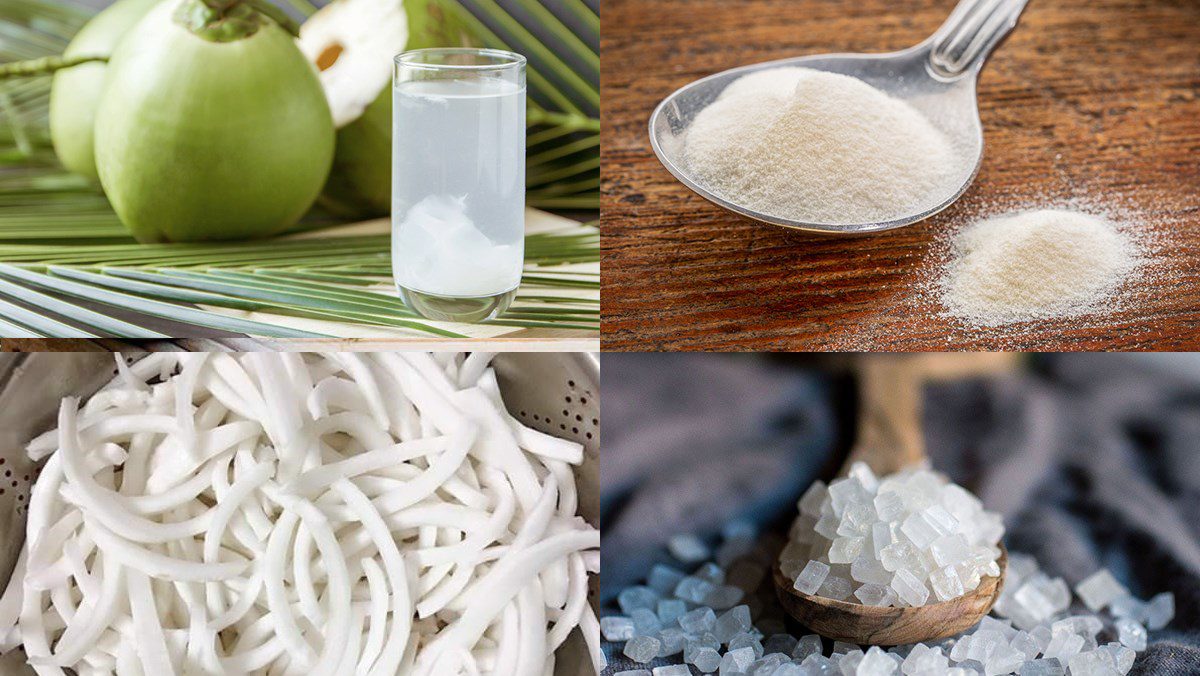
pixel 1096 101
pixel 887 625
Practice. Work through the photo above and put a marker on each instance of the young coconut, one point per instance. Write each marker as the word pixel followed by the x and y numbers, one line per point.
pixel 75 92
pixel 352 43
pixel 212 124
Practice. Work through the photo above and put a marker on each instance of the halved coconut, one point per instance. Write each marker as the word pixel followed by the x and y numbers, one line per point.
pixel 352 42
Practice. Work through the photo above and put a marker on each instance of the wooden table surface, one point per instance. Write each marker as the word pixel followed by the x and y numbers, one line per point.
pixel 1096 101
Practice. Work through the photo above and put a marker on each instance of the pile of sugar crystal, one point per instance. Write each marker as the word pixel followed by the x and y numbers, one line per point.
pixel 820 147
pixel 908 539
pixel 1035 265
pixel 1025 634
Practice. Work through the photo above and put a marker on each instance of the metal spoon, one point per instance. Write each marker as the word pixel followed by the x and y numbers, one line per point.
pixel 889 439
pixel 937 77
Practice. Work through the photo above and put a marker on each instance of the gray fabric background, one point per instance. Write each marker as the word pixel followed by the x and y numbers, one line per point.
pixel 1094 460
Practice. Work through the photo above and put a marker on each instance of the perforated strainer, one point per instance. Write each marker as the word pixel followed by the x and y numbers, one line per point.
pixel 556 393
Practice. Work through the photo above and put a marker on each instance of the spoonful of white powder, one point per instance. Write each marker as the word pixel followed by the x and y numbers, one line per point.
pixel 808 145
pixel 842 143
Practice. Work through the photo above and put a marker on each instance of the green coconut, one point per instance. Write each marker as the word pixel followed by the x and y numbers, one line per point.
pixel 352 42
pixel 212 125
pixel 75 91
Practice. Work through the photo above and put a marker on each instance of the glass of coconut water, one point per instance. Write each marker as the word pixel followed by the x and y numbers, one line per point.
pixel 458 181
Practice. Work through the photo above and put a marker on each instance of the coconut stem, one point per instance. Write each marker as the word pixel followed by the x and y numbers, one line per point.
pixel 44 66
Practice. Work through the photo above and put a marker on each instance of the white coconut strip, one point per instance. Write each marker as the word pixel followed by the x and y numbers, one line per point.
pixel 425 364
pixel 47 550
pixel 320 478
pixel 393 564
pixel 439 471
pixel 185 390
pixel 11 599
pixel 220 390
pixel 283 422
pixel 349 663
pixel 246 600
pixel 380 596
pixel 338 587
pixel 172 463
pixel 158 565
pixel 92 618
pixel 568 498
pixel 405 421
pixel 531 609
pixel 175 496
pixel 230 504
pixel 334 393
pixel 499 586
pixel 472 368
pixel 507 631
pixel 360 372
pixel 240 385
pixel 590 627
pixel 497 445
pixel 126 376
pixel 253 659
pixel 577 592
pixel 63 603
pixel 151 645
pixel 281 615
pixel 545 445
pixel 302 580
pixel 435 409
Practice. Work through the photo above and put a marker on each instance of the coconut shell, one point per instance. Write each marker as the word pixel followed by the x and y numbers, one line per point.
pixel 203 140
pixel 75 92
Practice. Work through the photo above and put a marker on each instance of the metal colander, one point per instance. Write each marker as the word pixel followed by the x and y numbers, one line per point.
pixel 556 393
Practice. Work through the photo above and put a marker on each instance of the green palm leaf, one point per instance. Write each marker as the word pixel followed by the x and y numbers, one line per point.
pixel 69 268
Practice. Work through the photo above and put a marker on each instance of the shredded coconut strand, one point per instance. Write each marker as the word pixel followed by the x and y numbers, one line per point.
pixel 1035 265
pixel 820 147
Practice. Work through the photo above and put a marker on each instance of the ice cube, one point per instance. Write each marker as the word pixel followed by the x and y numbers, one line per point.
pixel 746 640
pixel 707 660
pixel 869 570
pixel 1131 634
pixel 616 628
pixel 812 577
pixel 810 502
pixel 1122 657
pixel 645 622
pixel 809 644
pixel 1091 663
pixel 945 583
pixel 909 588
pixel 871 594
pixel 919 530
pixel 732 622
pixel 725 596
pixel 1099 589
pixel 845 549
pixel 673 640
pixel 889 506
pixel 632 598
pixel 1160 611
pixel 835 587
pixel 876 662
pixel 693 589
pixel 664 578
pixel 949 550
pixel 688 548
pixel 642 649
pixel 670 610
pixel 698 621
pixel 1043 667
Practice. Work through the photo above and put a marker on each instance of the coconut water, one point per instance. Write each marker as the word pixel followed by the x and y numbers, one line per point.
pixel 458 195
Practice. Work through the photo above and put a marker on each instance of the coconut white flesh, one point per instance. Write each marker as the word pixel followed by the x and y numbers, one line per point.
pixel 352 43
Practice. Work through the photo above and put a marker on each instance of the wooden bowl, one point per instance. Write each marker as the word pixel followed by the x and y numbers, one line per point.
pixel 888 625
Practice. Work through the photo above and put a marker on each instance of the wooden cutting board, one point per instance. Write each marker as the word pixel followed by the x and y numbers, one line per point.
pixel 1093 99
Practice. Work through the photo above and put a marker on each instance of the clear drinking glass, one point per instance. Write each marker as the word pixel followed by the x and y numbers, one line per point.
pixel 458 181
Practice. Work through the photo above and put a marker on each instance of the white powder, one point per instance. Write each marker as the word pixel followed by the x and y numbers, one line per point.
pixel 820 147
pixel 1036 265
